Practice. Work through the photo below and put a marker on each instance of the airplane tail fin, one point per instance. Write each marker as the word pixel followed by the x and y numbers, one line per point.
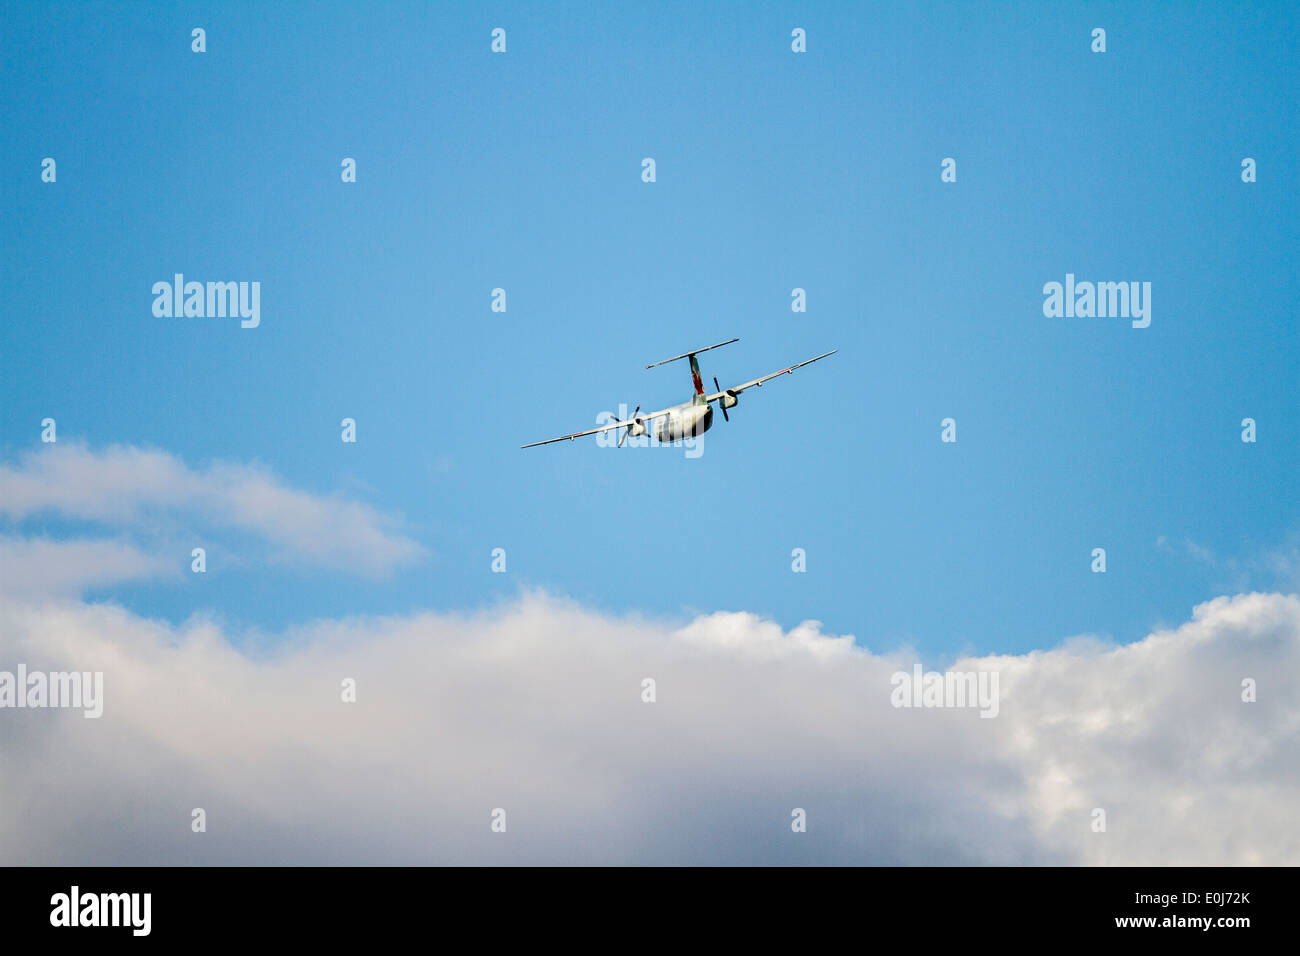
pixel 699 382
pixel 698 398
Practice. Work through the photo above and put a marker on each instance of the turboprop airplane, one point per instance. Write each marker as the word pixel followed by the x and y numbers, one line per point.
pixel 689 419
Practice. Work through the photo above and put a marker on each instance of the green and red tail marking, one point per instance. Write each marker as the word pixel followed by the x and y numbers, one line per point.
pixel 698 398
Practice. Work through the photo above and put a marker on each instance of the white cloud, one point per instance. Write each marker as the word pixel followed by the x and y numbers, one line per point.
pixel 536 708
pixel 43 566
pixel 140 489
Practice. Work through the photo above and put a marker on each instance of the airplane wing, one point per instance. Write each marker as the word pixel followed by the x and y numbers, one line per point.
pixel 644 419
pixel 759 381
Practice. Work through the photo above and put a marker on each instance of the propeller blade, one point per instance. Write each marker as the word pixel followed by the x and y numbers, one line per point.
pixel 721 404
pixel 628 430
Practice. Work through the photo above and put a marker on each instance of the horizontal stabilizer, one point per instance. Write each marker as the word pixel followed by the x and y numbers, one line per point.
pixel 693 352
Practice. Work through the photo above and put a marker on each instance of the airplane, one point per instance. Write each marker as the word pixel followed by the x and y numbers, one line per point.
pixel 689 419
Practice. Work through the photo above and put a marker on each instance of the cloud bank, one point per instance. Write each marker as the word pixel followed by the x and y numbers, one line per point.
pixel 536 708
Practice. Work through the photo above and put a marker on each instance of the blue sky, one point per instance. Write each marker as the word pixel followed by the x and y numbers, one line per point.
pixel 774 171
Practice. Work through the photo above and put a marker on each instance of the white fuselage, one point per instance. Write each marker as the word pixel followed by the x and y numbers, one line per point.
pixel 684 421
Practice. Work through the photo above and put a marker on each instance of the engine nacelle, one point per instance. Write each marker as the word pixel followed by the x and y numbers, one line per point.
pixel 636 429
pixel 729 400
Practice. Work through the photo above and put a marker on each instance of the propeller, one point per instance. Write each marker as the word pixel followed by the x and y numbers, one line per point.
pixel 721 404
pixel 628 430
